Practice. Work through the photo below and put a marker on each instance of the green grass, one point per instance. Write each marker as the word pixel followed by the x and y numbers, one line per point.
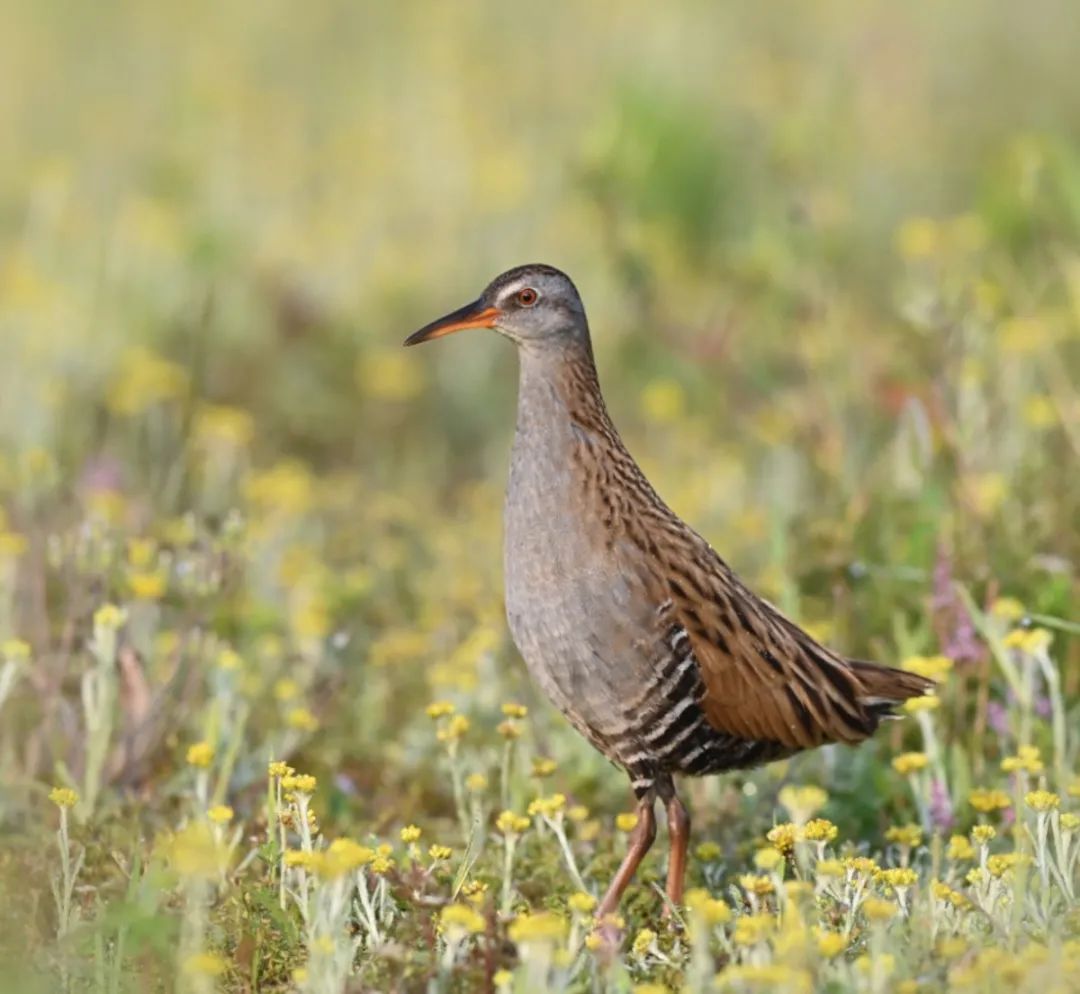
pixel 831 256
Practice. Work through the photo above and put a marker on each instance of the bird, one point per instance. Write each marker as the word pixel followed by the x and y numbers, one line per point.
pixel 633 626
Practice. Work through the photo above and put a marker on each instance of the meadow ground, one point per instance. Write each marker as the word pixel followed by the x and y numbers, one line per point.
pixel 261 725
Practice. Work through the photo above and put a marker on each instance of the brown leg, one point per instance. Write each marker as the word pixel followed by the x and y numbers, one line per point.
pixel 641 841
pixel 678 820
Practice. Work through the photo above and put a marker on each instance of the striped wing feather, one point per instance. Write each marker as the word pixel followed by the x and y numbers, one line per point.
pixel 764 677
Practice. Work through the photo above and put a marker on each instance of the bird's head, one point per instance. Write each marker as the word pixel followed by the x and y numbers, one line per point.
pixel 534 306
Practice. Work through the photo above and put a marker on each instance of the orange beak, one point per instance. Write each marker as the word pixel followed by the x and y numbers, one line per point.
pixel 472 315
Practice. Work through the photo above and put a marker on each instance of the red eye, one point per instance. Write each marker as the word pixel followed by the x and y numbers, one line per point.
pixel 527 297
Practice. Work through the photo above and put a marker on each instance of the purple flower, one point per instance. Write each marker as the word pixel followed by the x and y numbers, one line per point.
pixel 941 810
pixel 997 718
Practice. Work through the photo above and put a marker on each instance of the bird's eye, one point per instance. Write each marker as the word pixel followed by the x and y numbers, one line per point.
pixel 527 297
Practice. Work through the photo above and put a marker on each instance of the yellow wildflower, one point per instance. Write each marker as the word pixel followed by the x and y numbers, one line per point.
pixel 302 783
pixel 476 782
pixel 878 910
pixel 1042 800
pixel 820 830
pixel 931 667
pixel 909 762
pixel 439 853
pixel 276 768
pixel 302 720
pixel 143 380
pixel 713 910
pixel 626 821
pixel 455 728
pixel 707 852
pixel 829 868
pixel 577 813
pixel 899 877
pixel 509 729
pixel 543 767
pixel 1070 822
pixel 549 806
pixel 768 859
pixel 642 941
pixel 862 865
pixel 752 929
pixel 204 965
pixel 63 797
pixel 440 709
pixel 512 710
pixel 1007 609
pixel 109 617
pixel 831 944
pixel 511 824
pixel 1026 759
pixel 960 848
pixel 285 689
pixel 582 903
pixel 146 586
pixel 461 919
pixel 15 651
pixel 983 834
pixel 913 705
pixel 999 864
pixel 201 754
pixel 410 833
pixel 985 799
pixel 765 977
pixel 802 803
pixel 904 835
pixel 541 927
pixel 220 814
pixel 758 885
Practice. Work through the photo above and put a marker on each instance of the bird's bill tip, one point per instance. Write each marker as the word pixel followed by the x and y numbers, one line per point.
pixel 473 315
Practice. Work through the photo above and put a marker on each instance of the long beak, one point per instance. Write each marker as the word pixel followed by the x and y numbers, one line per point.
pixel 473 315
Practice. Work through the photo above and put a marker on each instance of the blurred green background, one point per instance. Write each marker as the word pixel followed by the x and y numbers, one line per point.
pixel 831 257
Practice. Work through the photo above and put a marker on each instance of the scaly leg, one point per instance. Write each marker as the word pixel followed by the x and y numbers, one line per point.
pixel 678 820
pixel 641 840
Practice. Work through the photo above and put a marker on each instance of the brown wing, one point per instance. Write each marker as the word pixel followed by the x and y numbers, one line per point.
pixel 765 678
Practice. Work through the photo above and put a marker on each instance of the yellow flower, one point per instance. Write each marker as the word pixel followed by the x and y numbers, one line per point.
pixel 831 944
pixel 15 651
pixel 999 864
pixel 820 830
pixel 1042 800
pixel 302 720
pixel 712 910
pixel 221 425
pixel 541 927
pixel 277 768
pixel 1070 822
pixel 899 877
pixel 503 978
pixel 904 835
pixel 1007 609
pixel 960 848
pixel 829 868
pixel 342 856
pixel 63 797
pixel 577 813
pixel 983 834
pixel 410 833
pixel 768 859
pixel 930 667
pixel 1029 640
pixel 878 910
pixel 626 821
pixel 908 763
pixel 509 729
pixel 302 783
pixel 751 929
pixel 663 401
pixel 784 836
pixel 913 705
pixel 455 728
pixel 765 977
pixel 511 824
pixel 802 803
pixel 229 660
pixel 205 965
pixel 512 710
pixel 143 380
pixel 549 806
pixel 146 586
pixel 474 891
pixel 220 814
pixel 862 865
pixel 642 941
pixel 707 852
pixel 582 903
pixel 985 799
pixel 439 853
pixel 194 852
pixel 1026 759
pixel 476 782
pixel 286 689
pixel 109 617
pixel 1039 411
pixel 758 885
pixel 543 767
pixel 462 919
pixel 201 754
pixel 919 238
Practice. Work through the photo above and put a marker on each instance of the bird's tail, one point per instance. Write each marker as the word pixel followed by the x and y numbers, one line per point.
pixel 883 687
